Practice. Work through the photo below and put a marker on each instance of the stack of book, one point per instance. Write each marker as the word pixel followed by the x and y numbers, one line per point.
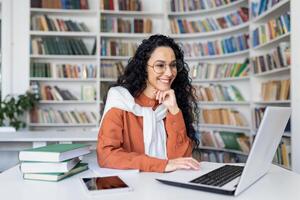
pixel 53 162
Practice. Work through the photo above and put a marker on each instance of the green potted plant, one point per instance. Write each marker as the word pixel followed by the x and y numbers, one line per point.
pixel 12 109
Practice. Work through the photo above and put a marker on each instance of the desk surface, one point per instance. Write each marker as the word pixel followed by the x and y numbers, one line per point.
pixel 278 184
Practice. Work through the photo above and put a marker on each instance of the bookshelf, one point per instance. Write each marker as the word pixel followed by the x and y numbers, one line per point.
pixel 97 18
pixel 241 82
pixel 269 75
pixel 266 74
pixel 68 67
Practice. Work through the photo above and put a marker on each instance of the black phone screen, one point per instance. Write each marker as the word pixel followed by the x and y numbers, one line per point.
pixel 104 183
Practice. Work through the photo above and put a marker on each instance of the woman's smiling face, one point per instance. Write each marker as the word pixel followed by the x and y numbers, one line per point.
pixel 161 69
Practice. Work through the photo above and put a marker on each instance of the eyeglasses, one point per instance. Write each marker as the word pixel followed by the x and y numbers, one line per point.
pixel 160 67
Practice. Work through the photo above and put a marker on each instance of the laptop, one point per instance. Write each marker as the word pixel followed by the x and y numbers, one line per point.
pixel 232 179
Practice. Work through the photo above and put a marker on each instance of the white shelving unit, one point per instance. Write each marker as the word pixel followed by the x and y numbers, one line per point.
pixel 92 18
pixel 262 49
pixel 243 83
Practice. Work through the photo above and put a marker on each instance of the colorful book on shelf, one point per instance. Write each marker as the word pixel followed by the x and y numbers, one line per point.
pixel 56 176
pixel 230 140
pixel 60 4
pixel 54 152
pixel 49 167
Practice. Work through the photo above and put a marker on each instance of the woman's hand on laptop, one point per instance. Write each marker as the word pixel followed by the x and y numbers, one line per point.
pixel 182 163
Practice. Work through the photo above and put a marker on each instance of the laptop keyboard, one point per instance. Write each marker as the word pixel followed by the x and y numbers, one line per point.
pixel 220 176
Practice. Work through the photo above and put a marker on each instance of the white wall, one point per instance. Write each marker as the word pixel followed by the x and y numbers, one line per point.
pixel 20 48
pixel 6 44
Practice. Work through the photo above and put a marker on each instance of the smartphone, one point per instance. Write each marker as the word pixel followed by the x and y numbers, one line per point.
pixel 101 185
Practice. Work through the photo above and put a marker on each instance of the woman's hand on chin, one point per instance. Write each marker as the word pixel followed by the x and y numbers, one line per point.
pixel 168 99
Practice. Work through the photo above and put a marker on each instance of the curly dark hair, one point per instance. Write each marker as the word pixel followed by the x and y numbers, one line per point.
pixel 135 77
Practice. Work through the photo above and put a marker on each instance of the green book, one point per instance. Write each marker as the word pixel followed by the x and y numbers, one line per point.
pixel 54 152
pixel 56 176
pixel 230 140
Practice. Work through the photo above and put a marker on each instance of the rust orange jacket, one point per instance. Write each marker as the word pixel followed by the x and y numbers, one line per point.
pixel 121 145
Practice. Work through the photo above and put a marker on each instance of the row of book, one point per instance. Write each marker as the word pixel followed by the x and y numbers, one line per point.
pixel 260 6
pixel 271 30
pixel 48 116
pixel 55 70
pixel 191 5
pixel 278 57
pixel 53 162
pixel 283 154
pixel 117 48
pixel 219 156
pixel 218 47
pixel 209 24
pixel 223 116
pixel 45 23
pixel 218 71
pixel 54 93
pixel 129 5
pixel 258 116
pixel 121 25
pixel 111 69
pixel 60 4
pixel 60 46
pixel 226 140
pixel 218 93
pixel 275 90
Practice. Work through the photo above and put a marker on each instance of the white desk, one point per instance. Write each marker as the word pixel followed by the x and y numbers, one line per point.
pixel 278 184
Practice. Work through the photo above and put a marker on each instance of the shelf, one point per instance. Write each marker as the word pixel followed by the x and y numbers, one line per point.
pixel 204 11
pixel 63 11
pixel 77 57
pixel 209 34
pixel 274 41
pixel 125 35
pixel 131 13
pixel 283 166
pixel 115 57
pixel 223 127
pixel 228 103
pixel 286 134
pixel 267 13
pixel 239 53
pixel 67 102
pixel 273 102
pixel 245 78
pixel 60 125
pixel 108 79
pixel 61 33
pixel 63 79
pixel 273 72
pixel 221 149
pixel 43 136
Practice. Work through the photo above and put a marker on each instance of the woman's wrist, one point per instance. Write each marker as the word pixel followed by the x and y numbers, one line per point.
pixel 174 110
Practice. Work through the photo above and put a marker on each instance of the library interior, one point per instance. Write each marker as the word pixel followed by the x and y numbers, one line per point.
pixel 59 59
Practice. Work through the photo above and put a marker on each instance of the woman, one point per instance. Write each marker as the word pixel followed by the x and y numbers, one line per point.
pixel 148 115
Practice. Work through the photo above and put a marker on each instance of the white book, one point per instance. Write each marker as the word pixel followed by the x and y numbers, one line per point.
pixel 49 167
pixel 56 176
